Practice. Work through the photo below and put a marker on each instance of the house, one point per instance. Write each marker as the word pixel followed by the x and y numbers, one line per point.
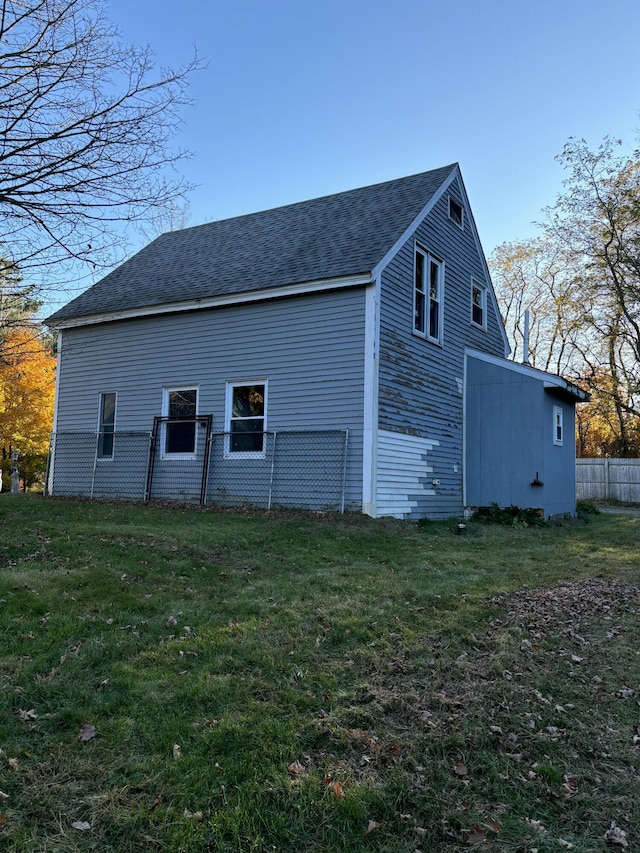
pixel 345 352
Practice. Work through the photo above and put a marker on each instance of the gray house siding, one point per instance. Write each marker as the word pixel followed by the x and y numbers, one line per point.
pixel 308 349
pixel 509 441
pixel 421 383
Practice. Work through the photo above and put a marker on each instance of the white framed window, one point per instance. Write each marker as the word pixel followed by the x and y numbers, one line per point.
pixel 179 407
pixel 106 424
pixel 478 304
pixel 428 295
pixel 456 212
pixel 246 419
pixel 558 433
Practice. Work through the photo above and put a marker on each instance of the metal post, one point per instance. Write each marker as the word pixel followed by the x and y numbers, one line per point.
pixel 273 464
pixel 95 464
pixel 344 470
pixel 205 462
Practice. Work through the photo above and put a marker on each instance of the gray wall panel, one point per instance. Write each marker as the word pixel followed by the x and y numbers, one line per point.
pixel 421 383
pixel 310 349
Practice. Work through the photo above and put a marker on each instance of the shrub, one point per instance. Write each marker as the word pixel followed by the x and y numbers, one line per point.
pixel 512 516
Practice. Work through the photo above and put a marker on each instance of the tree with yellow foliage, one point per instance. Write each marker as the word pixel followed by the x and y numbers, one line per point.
pixel 27 389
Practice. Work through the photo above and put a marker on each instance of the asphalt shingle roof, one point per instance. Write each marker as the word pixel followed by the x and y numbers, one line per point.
pixel 338 235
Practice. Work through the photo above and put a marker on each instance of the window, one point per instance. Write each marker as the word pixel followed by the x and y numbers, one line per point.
pixel 456 212
pixel 428 290
pixel 557 425
pixel 478 304
pixel 180 407
pixel 246 418
pixel 106 425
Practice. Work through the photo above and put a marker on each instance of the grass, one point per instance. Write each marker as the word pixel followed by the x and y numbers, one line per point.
pixel 177 680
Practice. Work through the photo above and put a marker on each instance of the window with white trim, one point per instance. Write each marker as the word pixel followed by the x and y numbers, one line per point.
pixel 106 424
pixel 456 212
pixel 557 425
pixel 179 407
pixel 478 304
pixel 246 419
pixel 428 296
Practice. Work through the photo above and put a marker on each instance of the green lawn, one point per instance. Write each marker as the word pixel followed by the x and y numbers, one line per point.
pixel 183 680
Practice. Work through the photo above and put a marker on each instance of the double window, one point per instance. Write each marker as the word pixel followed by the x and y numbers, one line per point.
pixel 428 296
pixel 180 407
pixel 106 424
pixel 246 418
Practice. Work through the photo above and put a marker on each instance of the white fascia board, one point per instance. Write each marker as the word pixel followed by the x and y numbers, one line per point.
pixel 476 238
pixel 370 415
pixel 218 301
pixel 549 380
pixel 435 198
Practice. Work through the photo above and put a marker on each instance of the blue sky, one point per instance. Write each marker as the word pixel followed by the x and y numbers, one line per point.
pixel 301 99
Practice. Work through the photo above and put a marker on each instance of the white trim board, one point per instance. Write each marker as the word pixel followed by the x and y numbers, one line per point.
pixel 550 380
pixel 216 301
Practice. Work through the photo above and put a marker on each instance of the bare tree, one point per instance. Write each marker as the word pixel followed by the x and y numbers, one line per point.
pixel 86 136
pixel 537 276
pixel 581 282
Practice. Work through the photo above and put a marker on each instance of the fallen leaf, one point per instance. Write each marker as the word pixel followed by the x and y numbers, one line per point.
pixel 460 769
pixel 103 684
pixel 626 693
pixel 3 796
pixel 82 825
pixel 493 824
pixel 615 835
pixel 87 732
pixel 177 751
pixel 476 835
pixel 171 621
pixel 373 825
pixel 156 803
pixel 197 816
pixel 13 763
pixel 336 789
pixel 566 844
pixel 3 819
pixel 296 768
pixel 27 716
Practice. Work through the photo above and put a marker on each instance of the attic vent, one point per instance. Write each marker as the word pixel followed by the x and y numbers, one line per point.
pixel 455 212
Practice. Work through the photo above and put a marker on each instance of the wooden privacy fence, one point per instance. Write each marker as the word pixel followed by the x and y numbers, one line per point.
pixel 608 479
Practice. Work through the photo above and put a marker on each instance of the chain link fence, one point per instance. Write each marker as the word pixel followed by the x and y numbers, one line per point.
pixel 296 469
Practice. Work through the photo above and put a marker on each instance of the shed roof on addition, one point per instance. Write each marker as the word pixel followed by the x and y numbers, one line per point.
pixel 335 236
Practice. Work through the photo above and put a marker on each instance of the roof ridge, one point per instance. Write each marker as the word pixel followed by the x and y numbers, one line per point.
pixel 293 204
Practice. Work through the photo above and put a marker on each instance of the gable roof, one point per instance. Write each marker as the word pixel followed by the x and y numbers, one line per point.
pixel 332 237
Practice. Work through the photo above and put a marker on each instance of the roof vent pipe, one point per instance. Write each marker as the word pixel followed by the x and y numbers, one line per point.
pixel 525 342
